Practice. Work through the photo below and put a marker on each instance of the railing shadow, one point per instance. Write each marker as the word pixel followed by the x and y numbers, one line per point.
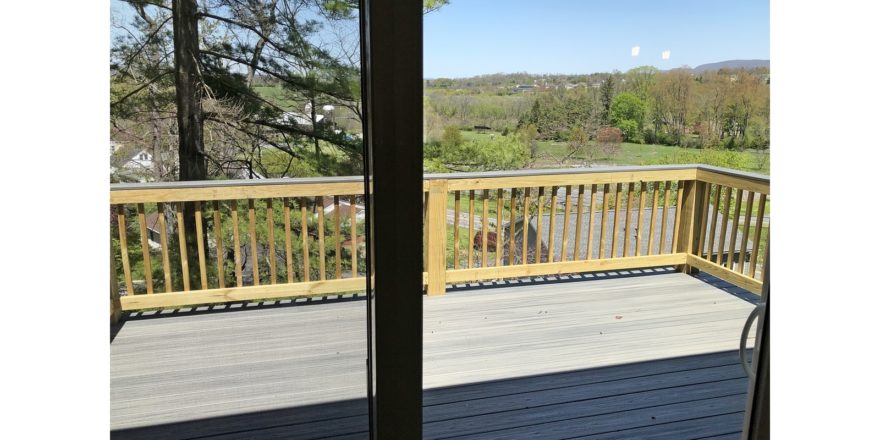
pixel 687 397
pixel 559 279
pixel 242 306
pixel 724 286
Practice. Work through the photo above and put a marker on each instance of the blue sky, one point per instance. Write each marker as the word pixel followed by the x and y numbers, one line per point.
pixel 472 37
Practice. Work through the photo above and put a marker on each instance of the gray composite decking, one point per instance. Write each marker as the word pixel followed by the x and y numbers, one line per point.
pixel 598 357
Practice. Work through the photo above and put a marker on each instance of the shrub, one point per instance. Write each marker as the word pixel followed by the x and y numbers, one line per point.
pixel 631 131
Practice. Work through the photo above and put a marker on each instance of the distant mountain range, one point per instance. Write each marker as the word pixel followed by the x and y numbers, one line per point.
pixel 732 64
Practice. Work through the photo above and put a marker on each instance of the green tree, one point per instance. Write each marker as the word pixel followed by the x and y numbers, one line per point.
pixel 628 114
pixel 451 137
pixel 529 136
pixel 606 91
pixel 639 80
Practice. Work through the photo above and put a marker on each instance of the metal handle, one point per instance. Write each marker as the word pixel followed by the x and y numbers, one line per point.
pixel 756 312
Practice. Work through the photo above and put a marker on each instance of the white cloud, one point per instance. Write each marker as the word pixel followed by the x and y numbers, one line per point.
pixel 635 51
pixel 666 54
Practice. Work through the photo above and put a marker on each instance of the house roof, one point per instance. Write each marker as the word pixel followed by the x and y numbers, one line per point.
pixel 299 118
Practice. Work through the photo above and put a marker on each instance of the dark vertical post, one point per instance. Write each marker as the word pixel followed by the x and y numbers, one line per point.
pixel 757 417
pixel 391 51
pixel 188 86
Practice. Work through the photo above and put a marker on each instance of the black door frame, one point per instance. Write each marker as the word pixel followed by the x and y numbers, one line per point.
pixel 391 61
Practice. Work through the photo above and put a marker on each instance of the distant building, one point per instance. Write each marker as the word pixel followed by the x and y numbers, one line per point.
pixel 524 88
pixel 299 118
pixel 131 164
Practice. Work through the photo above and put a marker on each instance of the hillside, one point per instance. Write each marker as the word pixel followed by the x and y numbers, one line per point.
pixel 732 64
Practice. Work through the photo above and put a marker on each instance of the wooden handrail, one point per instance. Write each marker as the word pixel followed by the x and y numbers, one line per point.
pixel 272 238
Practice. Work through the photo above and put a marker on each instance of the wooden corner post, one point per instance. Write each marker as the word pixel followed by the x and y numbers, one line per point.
pixel 692 206
pixel 436 226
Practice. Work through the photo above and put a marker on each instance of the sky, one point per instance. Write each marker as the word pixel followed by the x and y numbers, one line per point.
pixel 474 37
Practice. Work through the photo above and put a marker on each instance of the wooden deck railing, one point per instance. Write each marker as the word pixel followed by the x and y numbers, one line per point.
pixel 282 238
pixel 294 237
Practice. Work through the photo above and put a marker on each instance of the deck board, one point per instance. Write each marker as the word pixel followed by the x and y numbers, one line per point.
pixel 576 358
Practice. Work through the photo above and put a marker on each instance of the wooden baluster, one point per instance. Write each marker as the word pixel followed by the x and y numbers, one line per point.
pixel 678 206
pixel 765 255
pixel 756 242
pixel 605 190
pixel 615 228
pixel 710 239
pixel 750 201
pixel 578 224
pixel 551 245
pixel 527 199
pixel 733 229
pixel 539 238
pixel 592 210
pixel 499 232
pixel 322 266
pixel 470 252
pixel 218 238
pixel 484 230
pixel 627 230
pixel 145 247
pixel 704 222
pixel 455 223
pixel 565 212
pixel 288 241
pixel 337 234
pixel 664 220
pixel 512 238
pixel 252 231
pixel 200 242
pixel 163 239
pixel 655 187
pixel 304 236
pixel 123 249
pixel 181 239
pixel 643 192
pixel 724 219
pixel 270 232
pixel 352 214
pixel 236 248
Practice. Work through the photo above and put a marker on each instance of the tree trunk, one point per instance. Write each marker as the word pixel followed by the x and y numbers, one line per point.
pixel 189 88
pixel 315 129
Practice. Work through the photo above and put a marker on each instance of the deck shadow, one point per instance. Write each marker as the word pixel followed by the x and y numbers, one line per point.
pixel 683 397
pixel 560 279
pixel 242 306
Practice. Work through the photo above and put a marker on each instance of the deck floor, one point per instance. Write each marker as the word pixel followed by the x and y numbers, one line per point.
pixel 598 357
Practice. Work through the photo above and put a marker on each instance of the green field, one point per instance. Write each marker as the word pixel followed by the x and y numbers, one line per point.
pixel 551 153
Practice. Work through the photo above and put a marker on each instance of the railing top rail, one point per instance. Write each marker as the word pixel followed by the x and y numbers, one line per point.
pixel 557 171
pixel 207 184
pixel 757 177
pixel 233 182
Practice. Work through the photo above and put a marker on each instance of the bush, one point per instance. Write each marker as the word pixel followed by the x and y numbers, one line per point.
pixel 451 136
pixel 720 158
pixel 631 131
pixel 649 136
pixel 494 153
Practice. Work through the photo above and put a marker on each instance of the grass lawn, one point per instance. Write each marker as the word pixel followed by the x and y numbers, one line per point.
pixel 275 95
pixel 551 154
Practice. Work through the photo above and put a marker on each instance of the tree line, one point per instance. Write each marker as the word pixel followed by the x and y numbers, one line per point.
pixel 713 109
